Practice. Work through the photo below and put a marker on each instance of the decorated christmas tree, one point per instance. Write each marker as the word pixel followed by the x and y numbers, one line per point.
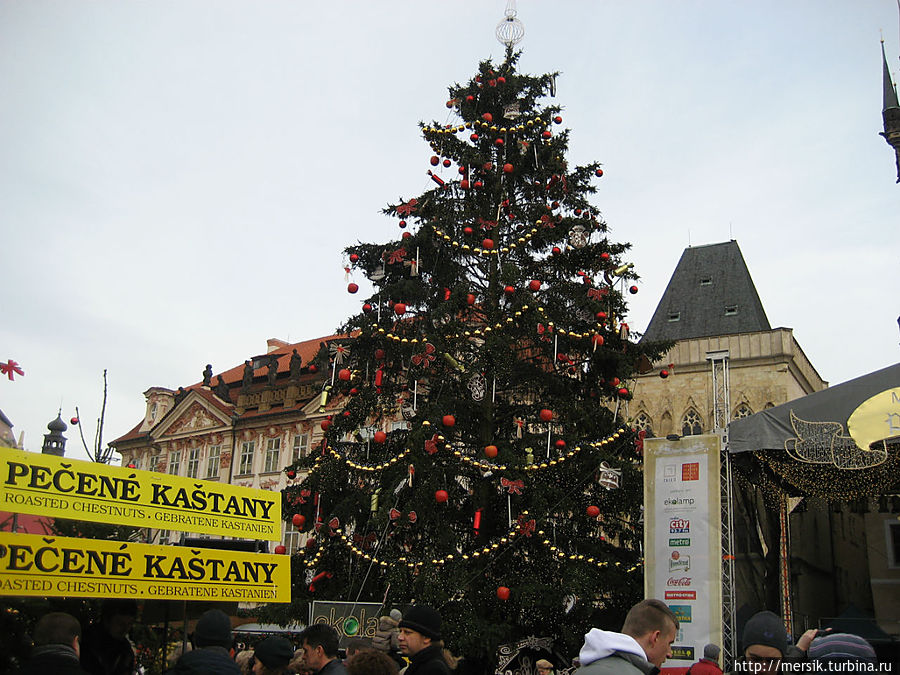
pixel 477 454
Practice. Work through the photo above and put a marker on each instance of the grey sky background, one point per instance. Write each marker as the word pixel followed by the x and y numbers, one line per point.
pixel 178 178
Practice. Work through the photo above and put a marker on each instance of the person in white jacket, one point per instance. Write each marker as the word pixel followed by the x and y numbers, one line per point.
pixel 640 649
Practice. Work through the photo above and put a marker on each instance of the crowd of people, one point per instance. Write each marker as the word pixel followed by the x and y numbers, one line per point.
pixel 640 648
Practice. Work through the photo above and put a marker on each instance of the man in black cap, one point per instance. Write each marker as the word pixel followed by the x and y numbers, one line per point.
pixel 320 650
pixel 420 639
pixel 764 642
pixel 212 640
pixel 272 656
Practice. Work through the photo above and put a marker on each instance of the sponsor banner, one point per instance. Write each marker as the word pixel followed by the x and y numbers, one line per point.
pixel 349 619
pixel 682 537
pixel 34 565
pixel 56 487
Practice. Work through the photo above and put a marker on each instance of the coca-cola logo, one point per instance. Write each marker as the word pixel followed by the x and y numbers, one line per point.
pixel 679 581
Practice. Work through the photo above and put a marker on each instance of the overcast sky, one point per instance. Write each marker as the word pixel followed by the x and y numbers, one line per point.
pixel 178 178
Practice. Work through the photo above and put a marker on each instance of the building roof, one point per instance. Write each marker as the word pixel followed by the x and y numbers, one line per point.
pixel 710 293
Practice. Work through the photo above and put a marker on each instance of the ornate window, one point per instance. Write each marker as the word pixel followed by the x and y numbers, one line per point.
pixel 246 465
pixel 301 446
pixel 193 465
pixel 212 462
pixel 743 410
pixel 292 537
pixel 273 452
pixel 691 423
pixel 643 423
pixel 154 462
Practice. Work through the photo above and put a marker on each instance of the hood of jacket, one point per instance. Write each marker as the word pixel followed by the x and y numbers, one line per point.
pixel 598 644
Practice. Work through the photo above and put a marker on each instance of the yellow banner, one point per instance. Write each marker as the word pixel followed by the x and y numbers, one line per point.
pixel 46 485
pixel 876 419
pixel 33 565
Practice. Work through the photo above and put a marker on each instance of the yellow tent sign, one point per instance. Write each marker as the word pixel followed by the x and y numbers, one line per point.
pixel 46 485
pixel 34 565
pixel 876 419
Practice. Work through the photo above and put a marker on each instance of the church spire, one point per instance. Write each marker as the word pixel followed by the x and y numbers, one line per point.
pixel 890 113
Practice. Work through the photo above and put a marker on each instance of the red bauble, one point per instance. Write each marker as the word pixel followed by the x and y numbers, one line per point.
pixel 490 451
pixel 292 474
pixel 441 496
pixel 664 373
pixel 402 224
pixel 400 308
pixel 501 80
pixel 615 381
pixel 352 288
pixel 470 98
pixel 406 235
pixel 311 542
pixel 562 357
pixel 633 290
pixel 499 141
pixel 448 420
pixel 508 168
pixel 280 549
pixel 534 285
pixel 557 119
pixel 503 593
pixel 487 117
pixel 325 424
pixel 509 290
pixel 447 162
pixel 344 374
pixel 601 315
pixel 299 520
pixel 599 172
pixel 488 166
pixel 435 160
pixel 74 420
pixel 577 212
pixel 130 466
pixel 593 511
pixel 598 340
pixel 313 368
pixel 556 250
pixel 488 244
pixel 464 184
pixel 379 354
pixel 470 299
pixel 354 258
pixel 478 183
pixel 560 443
pixel 367 307
pixel 623 391
pixel 604 256
pixel 546 415
pixel 473 137
pixel 467 230
pixel 462 170
pixel 379 436
pixel 547 134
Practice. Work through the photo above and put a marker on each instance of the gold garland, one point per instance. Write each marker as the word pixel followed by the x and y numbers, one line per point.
pixel 486 251
pixel 483 125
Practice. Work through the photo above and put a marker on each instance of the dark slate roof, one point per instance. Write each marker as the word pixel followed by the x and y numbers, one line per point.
pixel 710 293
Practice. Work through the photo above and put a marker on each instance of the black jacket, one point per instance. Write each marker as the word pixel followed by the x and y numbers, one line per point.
pixel 429 661
pixel 52 659
pixel 102 654
pixel 205 661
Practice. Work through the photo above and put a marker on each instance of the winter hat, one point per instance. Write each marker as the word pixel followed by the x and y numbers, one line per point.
pixel 543 663
pixel 274 652
pixel 423 619
pixel 841 648
pixel 765 628
pixel 213 629
pixel 711 652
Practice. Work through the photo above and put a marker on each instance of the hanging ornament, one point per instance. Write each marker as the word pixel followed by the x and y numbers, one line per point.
pixel 344 374
pixel 609 477
pixel 448 420
pixel 441 496
pixel 352 288
pixel 476 524
pixel 529 456
pixel 426 358
pixel 10 369
pixel 338 352
pixel 578 238
pixel 280 549
pixel 526 526
pixel 534 285
pixel 379 436
pixel 513 487
pixel 490 451
pixel 519 423
pixel 317 578
pixel 593 511
pixel 503 593
pixel 599 173
pixel 477 386
pixel 400 308
pixel 546 415
pixel 431 444
pixel 664 373
pixel 299 520
pixel 407 208
pixel 74 421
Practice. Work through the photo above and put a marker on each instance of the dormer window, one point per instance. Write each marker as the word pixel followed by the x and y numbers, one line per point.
pixel 706 281
pixel 731 310
pixel 674 316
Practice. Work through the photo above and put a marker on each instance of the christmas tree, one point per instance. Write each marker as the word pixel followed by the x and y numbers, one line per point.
pixel 478 456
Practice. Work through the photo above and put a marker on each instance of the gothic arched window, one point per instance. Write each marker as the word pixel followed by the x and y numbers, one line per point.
pixel 743 410
pixel 691 423
pixel 643 423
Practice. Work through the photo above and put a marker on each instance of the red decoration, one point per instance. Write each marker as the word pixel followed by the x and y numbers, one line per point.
pixel 435 160
pixel 633 290
pixel 354 258
pixel 547 134
pixel 299 520
pixel 473 137
pixel 499 141
pixel 623 392
pixel 402 224
pixel 313 368
pixel 316 579
pixel 441 496
pixel 557 119
pixel 447 162
pixel 9 368
pixel 344 374
pixel 664 373
pixel 509 290
pixel 379 436
pixel 503 593
pixel 597 340
pixel 514 487
pixel 534 285
pixel 599 172
pixel 400 308
pixel 291 474
pixel 487 166
pixel 490 451
pixel 488 244
pixel 477 522
pixel 431 444
pixel 464 184
pixel 556 250
pixel 478 183
pixel 367 307
pixel 379 354
pixel 487 117
pixel 546 415
pixel 448 420
pixel 508 168
pixel 406 235
pixel 280 549
pixel 593 511
pixel 325 424
pixel 560 443
pixel 470 299
pixel 470 98
pixel 352 288
pixel 426 358
pixel 501 80
pixel 407 208
pixel 467 230
pixel 74 420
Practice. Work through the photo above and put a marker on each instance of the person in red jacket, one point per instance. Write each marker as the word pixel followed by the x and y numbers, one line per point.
pixel 709 664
